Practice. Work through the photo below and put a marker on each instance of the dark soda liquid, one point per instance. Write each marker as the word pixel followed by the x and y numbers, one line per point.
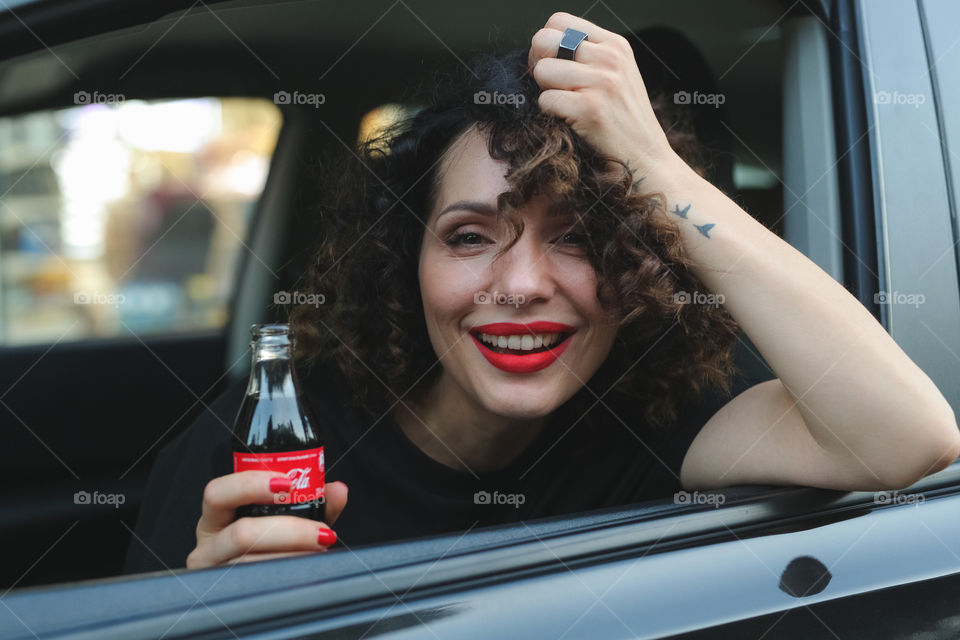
pixel 315 510
pixel 277 425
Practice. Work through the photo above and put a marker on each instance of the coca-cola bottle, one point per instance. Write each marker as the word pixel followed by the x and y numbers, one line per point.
pixel 278 429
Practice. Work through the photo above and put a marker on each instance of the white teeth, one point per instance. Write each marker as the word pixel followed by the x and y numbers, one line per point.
pixel 520 342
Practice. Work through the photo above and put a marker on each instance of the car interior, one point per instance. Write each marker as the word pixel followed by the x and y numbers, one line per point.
pixel 183 100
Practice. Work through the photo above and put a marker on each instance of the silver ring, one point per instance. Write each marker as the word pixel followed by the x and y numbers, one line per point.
pixel 569 43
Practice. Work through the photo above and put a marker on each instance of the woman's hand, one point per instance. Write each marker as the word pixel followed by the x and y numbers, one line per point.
pixel 223 540
pixel 600 93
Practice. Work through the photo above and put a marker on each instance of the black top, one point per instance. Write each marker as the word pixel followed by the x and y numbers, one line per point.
pixel 398 491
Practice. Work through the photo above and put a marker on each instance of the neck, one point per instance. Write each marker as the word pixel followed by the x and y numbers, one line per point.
pixel 455 430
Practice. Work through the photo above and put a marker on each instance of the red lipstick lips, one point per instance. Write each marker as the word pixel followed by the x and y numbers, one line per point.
pixel 520 362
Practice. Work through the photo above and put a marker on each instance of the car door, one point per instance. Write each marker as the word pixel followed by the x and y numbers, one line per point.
pixel 750 562
pixel 907 119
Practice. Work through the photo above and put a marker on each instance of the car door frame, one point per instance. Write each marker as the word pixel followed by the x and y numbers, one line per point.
pixel 442 579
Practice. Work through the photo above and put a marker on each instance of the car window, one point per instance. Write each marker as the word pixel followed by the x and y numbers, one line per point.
pixel 123 216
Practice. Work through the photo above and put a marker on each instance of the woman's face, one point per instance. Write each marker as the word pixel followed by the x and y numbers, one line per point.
pixel 537 302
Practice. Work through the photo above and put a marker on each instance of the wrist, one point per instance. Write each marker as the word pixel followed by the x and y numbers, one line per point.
pixel 667 173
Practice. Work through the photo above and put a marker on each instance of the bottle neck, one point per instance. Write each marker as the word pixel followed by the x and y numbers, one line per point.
pixel 271 372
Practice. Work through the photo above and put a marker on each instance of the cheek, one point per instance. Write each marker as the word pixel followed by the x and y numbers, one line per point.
pixel 580 283
pixel 581 288
pixel 447 286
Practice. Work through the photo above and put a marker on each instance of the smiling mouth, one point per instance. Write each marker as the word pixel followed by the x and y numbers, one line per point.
pixel 522 348
pixel 522 345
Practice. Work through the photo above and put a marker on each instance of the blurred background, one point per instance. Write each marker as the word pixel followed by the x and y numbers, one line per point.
pixel 128 214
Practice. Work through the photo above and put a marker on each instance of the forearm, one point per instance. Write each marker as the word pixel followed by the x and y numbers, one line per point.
pixel 859 393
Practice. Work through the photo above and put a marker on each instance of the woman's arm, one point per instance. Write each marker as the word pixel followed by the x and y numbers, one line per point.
pixel 850 409
pixel 870 409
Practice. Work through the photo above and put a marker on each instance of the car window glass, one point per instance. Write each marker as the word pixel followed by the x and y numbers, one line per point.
pixel 123 216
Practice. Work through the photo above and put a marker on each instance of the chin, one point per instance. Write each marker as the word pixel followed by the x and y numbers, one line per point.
pixel 532 407
pixel 520 413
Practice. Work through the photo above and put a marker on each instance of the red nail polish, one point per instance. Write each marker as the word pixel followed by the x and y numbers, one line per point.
pixel 326 537
pixel 280 484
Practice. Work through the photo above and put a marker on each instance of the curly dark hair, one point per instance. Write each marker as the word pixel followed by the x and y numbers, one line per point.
pixel 374 207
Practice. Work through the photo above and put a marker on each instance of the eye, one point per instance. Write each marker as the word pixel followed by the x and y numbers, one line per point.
pixel 464 238
pixel 576 238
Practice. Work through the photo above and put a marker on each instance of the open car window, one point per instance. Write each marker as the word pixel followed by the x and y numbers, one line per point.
pixel 152 209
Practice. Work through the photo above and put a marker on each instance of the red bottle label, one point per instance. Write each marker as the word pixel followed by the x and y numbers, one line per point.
pixel 304 467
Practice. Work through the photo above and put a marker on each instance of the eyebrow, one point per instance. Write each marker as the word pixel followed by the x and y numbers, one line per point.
pixel 554 210
pixel 483 208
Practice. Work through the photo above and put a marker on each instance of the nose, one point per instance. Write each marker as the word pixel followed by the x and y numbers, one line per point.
pixel 526 271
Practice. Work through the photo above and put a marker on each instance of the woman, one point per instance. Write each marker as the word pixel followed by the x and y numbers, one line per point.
pixel 537 295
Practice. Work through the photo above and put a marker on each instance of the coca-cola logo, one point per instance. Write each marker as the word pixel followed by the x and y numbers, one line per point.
pixel 300 477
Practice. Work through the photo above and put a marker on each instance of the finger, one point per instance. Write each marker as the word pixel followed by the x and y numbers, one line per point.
pixel 562 104
pixel 256 557
pixel 553 73
pixel 540 45
pixel 223 495
pixel 268 534
pixel 546 43
pixel 336 496
pixel 561 21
